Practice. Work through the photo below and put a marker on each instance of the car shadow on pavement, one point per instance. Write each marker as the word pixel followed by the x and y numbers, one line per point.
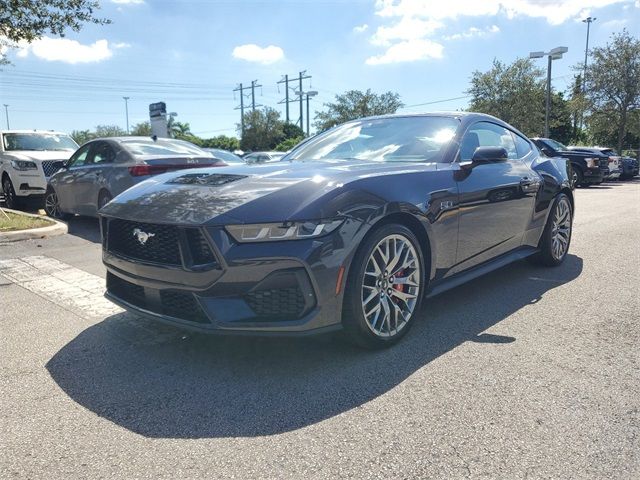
pixel 159 381
pixel 87 228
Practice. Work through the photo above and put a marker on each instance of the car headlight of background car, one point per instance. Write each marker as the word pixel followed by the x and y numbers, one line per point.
pixel 271 232
pixel 23 165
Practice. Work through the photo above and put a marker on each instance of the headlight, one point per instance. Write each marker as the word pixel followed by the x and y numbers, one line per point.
pixel 23 165
pixel 592 162
pixel 271 232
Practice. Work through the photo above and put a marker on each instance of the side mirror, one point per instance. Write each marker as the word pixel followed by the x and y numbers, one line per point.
pixel 489 155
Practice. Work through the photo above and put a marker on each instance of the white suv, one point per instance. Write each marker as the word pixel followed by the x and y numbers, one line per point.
pixel 27 159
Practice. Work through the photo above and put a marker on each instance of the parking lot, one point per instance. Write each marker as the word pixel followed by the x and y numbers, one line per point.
pixel 526 372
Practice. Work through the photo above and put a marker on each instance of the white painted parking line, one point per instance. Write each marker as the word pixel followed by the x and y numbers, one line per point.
pixel 59 283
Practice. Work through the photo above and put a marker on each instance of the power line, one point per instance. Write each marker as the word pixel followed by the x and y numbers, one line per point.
pixel 299 94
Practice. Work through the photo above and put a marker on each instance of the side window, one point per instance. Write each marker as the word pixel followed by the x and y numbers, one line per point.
pixel 523 147
pixel 486 134
pixel 79 158
pixel 103 153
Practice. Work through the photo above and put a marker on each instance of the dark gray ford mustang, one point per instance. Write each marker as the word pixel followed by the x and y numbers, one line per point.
pixel 350 230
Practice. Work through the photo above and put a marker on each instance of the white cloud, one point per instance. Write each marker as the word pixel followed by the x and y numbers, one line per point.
pixel 128 2
pixel 65 50
pixel 473 32
pixel 615 24
pixel 121 45
pixel 254 53
pixel 408 51
pixel 360 28
pixel 409 27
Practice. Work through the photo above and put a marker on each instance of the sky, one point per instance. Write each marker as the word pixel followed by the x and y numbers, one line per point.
pixel 191 54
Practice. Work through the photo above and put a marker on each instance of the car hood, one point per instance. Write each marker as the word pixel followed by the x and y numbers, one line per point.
pixel 38 156
pixel 269 192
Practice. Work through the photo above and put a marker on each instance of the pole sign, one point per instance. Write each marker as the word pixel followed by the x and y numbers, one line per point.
pixel 158 119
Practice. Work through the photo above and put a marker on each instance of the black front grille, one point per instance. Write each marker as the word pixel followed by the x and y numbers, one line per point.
pixel 49 167
pixel 127 291
pixel 277 303
pixel 143 241
pixel 172 303
pixel 199 248
pixel 181 305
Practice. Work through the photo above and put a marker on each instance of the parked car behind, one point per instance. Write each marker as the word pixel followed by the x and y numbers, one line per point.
pixel 104 168
pixel 588 168
pixel 27 159
pixel 627 166
pixel 226 156
pixel 263 157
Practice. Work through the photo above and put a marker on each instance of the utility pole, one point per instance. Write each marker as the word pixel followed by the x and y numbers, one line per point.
pixel 241 107
pixel 588 21
pixel 285 80
pixel 126 111
pixel 309 94
pixel 6 112
pixel 299 96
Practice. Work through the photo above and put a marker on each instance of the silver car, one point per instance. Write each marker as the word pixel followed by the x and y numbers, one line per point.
pixel 103 168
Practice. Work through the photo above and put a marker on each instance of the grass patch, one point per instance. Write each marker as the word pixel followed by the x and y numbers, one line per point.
pixel 21 222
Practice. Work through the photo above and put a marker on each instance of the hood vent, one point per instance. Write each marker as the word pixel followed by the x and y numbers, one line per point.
pixel 206 179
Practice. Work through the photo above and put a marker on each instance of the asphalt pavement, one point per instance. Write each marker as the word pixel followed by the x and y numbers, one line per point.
pixel 528 372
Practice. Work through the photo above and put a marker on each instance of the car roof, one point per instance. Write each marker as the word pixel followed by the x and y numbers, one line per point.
pixel 54 132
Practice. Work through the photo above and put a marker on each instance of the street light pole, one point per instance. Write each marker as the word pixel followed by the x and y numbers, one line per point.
pixel 588 21
pixel 6 112
pixel 553 54
pixel 312 93
pixel 126 111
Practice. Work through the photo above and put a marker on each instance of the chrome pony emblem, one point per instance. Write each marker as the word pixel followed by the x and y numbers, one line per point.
pixel 141 236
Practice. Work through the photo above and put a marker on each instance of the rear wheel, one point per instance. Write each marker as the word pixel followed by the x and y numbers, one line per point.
pixel 384 287
pixel 556 237
pixel 578 178
pixel 10 197
pixel 52 205
pixel 104 198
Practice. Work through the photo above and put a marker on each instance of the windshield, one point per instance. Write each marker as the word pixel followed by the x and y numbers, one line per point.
pixel 557 146
pixel 38 142
pixel 394 139
pixel 141 147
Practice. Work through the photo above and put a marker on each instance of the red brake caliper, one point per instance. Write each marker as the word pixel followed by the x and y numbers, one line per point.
pixel 400 288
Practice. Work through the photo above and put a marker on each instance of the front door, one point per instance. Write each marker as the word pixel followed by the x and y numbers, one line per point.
pixel 496 199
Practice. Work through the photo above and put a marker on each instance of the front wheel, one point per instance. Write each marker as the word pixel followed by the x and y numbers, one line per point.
pixel 384 287
pixel 10 197
pixel 577 178
pixel 556 238
pixel 52 205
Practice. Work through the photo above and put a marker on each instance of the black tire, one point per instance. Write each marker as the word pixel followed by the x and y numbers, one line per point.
pixel 548 255
pixel 578 178
pixel 52 205
pixel 11 200
pixel 384 288
pixel 104 198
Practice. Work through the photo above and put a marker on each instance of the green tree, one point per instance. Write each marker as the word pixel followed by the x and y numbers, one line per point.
pixel 223 142
pixel 514 93
pixel 263 130
pixel 142 129
pixel 577 106
pixel 560 124
pixel 82 136
pixel 288 144
pixel 29 19
pixel 613 89
pixel 355 104
pixel 103 131
pixel 178 129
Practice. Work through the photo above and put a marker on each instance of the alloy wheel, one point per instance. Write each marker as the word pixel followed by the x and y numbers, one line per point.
pixel 391 285
pixel 52 205
pixel 561 229
pixel 9 193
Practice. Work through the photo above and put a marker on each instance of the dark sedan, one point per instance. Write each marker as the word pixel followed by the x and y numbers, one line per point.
pixel 103 168
pixel 351 230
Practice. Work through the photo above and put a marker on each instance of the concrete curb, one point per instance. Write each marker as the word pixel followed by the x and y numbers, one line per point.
pixel 58 228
